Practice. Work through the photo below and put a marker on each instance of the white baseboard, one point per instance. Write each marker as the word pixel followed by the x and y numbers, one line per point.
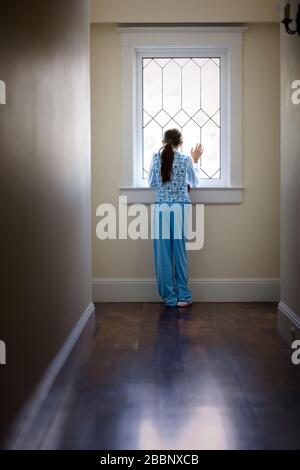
pixel 288 323
pixel 204 290
pixel 289 313
pixel 30 411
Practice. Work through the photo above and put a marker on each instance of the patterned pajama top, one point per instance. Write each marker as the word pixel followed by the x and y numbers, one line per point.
pixel 184 173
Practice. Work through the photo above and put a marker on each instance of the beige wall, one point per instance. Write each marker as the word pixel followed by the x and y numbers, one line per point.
pixel 290 174
pixel 203 11
pixel 45 187
pixel 240 241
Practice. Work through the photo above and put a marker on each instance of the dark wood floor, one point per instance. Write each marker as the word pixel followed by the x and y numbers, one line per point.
pixel 215 377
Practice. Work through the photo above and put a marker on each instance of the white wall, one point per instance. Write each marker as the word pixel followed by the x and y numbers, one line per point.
pixel 289 315
pixel 203 11
pixel 45 189
pixel 242 241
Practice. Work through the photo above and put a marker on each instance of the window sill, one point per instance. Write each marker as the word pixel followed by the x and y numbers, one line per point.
pixel 208 195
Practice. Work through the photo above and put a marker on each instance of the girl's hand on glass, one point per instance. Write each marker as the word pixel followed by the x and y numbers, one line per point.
pixel 196 153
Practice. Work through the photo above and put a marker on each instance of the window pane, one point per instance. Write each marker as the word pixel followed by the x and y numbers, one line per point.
pixel 210 141
pixel 183 93
pixel 152 88
pixel 172 88
pixel 152 142
pixel 191 88
pixel 210 89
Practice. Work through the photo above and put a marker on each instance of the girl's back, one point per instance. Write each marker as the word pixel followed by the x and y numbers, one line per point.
pixel 176 189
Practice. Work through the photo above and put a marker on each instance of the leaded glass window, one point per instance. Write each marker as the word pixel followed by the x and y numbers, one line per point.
pixel 183 93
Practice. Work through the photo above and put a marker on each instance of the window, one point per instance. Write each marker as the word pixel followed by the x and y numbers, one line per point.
pixel 183 93
pixel 188 78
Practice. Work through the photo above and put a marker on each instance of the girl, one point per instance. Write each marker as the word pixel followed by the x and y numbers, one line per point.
pixel 172 174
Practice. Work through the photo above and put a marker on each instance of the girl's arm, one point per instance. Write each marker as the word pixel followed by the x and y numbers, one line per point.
pixel 192 174
pixel 193 177
pixel 151 175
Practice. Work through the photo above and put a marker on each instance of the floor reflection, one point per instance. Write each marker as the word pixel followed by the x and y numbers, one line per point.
pixel 175 422
pixel 215 376
pixel 205 429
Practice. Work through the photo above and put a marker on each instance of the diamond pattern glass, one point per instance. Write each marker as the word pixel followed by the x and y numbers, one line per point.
pixel 183 93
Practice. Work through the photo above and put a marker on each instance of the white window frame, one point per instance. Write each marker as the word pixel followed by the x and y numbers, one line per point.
pixel 223 42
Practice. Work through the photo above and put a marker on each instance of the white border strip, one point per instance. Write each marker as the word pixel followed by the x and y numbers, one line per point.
pixel 204 290
pixel 29 413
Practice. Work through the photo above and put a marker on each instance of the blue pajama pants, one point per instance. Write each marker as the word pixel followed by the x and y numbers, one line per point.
pixel 170 256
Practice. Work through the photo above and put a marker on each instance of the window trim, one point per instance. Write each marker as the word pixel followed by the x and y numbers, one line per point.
pixel 170 40
pixel 187 52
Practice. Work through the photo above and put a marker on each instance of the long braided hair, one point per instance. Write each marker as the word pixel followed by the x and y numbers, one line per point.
pixel 172 138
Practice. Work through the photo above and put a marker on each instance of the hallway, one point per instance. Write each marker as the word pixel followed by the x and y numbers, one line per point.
pixel 216 377
pixel 92 92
